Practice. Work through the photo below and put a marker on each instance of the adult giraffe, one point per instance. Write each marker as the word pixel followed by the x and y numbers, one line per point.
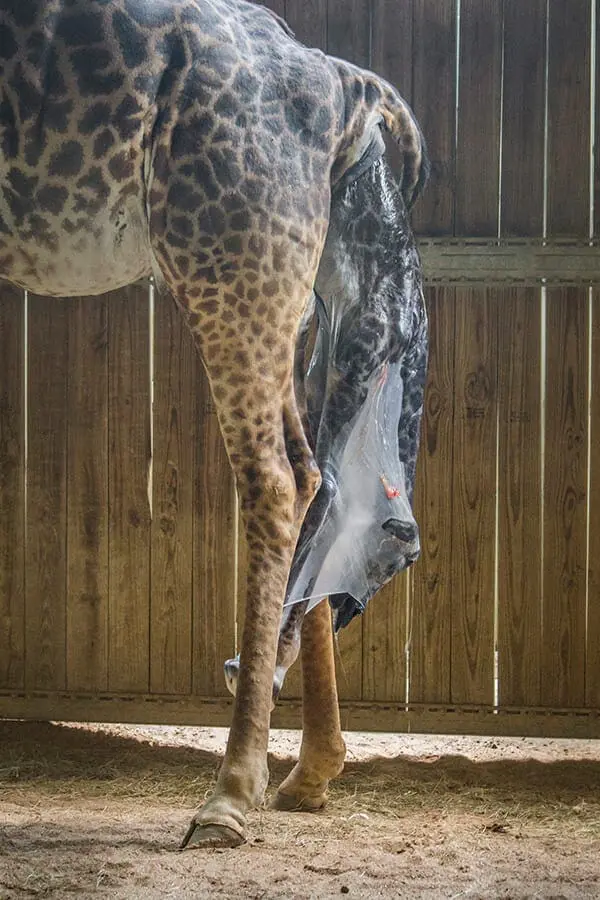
pixel 197 140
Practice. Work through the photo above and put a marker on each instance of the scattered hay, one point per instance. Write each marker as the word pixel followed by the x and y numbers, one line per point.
pixel 67 764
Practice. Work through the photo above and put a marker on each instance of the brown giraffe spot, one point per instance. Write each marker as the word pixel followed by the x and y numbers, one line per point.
pixel 121 166
pixel 207 273
pixel 52 198
pixel 270 288
pixel 233 244
pixel 210 307
pixel 158 222
pixel 67 161
pixel 183 264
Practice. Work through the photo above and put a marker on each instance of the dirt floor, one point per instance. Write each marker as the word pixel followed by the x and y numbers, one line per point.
pixel 100 810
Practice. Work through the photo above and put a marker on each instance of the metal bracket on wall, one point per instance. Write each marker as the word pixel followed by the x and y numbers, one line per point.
pixel 486 262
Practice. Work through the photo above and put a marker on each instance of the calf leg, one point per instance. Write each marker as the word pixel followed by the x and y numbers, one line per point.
pixel 323 749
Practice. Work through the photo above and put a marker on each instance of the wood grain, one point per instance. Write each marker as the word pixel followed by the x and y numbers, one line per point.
pixel 519 487
pixel 392 56
pixel 478 140
pixel 349 660
pixel 431 603
pixel 569 118
pixel 12 487
pixel 349 30
pixel 523 117
pixel 175 430
pixel 87 495
pixel 434 88
pixel 355 716
pixel 592 656
pixel 392 43
pixel 474 487
pixel 596 37
pixel 278 6
pixel 215 524
pixel 385 636
pixel 46 546
pixel 565 498
pixel 129 489
pixel 308 21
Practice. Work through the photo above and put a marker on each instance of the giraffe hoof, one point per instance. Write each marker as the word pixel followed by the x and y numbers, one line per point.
pixel 211 837
pixel 291 803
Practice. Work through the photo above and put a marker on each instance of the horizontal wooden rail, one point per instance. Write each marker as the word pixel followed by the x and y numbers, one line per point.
pixel 356 715
pixel 487 262
pixel 476 261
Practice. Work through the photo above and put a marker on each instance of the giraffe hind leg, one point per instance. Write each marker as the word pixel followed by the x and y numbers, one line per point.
pixel 276 478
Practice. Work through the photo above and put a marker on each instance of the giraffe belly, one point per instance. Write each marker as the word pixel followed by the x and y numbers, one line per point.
pixel 107 253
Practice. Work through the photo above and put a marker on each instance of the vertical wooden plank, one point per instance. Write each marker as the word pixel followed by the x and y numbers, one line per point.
pixel 519 524
pixel 215 524
pixel 129 489
pixel 175 433
pixel 569 118
pixel 87 495
pixel 349 659
pixel 308 21
pixel 434 88
pixel 349 30
pixel 46 550
pixel 592 671
pixel 565 498
pixel 431 605
pixel 478 140
pixel 392 55
pixel 596 37
pixel 278 6
pixel 384 642
pixel 12 488
pixel 523 118
pixel 565 501
pixel 392 43
pixel 474 486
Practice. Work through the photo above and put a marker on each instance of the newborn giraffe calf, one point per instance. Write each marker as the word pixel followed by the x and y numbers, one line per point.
pixel 196 140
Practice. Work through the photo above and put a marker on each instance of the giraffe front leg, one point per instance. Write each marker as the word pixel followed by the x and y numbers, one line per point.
pixel 323 749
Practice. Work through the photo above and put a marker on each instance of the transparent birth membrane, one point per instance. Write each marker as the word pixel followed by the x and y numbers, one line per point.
pixel 363 389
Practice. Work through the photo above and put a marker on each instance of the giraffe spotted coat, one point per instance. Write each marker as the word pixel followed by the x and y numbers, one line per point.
pixel 198 141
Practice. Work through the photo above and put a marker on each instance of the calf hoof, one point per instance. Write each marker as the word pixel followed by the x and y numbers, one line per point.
pixel 207 837
pixel 293 803
pixel 231 668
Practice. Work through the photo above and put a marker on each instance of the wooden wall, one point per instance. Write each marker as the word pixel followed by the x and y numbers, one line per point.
pixel 119 594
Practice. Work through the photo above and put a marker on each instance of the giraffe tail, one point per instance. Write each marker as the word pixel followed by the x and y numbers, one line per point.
pixel 399 120
pixel 371 101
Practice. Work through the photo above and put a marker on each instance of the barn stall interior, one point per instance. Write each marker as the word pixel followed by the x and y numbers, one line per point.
pixel 119 590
